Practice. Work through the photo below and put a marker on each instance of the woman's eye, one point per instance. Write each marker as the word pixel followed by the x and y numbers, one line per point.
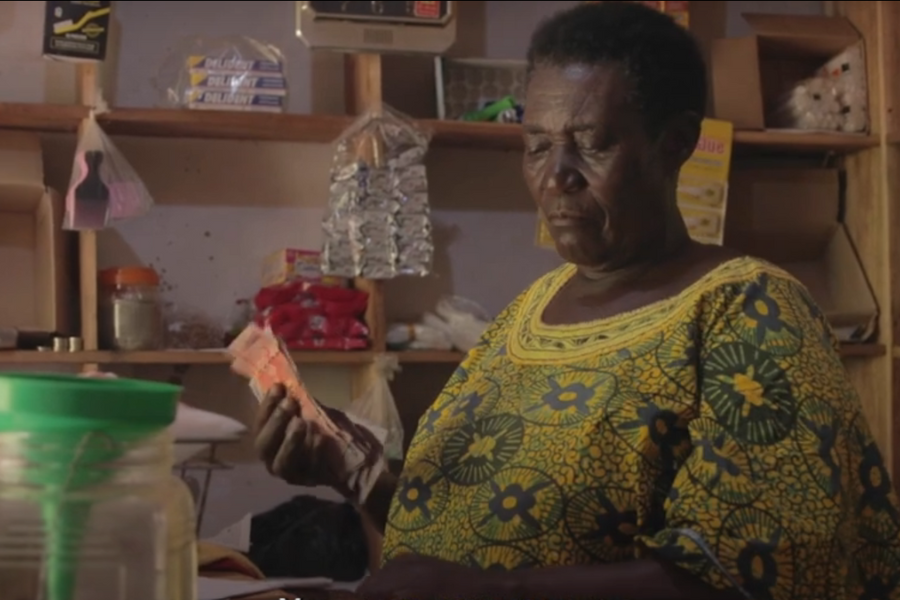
pixel 536 146
pixel 588 144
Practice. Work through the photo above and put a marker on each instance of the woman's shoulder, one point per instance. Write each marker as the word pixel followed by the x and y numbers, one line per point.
pixel 745 269
pixel 743 279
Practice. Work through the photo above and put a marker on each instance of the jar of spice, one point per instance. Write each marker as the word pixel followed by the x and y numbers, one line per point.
pixel 130 309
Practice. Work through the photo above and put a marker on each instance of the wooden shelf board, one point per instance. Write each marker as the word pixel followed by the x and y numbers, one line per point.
pixel 174 357
pixel 222 125
pixel 231 125
pixel 483 136
pixel 54 118
pixel 786 141
pixel 862 350
pixel 508 137
pixel 311 357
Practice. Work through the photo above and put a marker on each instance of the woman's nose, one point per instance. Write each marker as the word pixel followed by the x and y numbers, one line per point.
pixel 567 179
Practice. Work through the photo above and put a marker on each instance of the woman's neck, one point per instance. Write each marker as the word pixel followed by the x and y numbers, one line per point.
pixel 677 242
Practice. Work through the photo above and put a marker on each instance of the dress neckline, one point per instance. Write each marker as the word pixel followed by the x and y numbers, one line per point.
pixel 562 276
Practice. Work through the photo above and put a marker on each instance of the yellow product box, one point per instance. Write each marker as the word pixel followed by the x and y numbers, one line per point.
pixel 703 183
pixel 702 186
pixel 290 264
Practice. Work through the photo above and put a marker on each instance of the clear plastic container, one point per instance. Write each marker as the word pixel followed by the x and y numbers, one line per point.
pixel 89 507
pixel 131 311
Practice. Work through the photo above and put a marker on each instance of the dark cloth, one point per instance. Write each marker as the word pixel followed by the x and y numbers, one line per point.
pixel 309 537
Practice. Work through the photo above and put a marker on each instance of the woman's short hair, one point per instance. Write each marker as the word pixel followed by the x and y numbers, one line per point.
pixel 661 58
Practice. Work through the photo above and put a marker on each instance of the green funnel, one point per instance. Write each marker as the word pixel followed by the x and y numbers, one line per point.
pixel 75 426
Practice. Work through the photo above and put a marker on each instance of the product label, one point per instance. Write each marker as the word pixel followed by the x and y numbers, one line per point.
pixel 427 10
pixel 77 31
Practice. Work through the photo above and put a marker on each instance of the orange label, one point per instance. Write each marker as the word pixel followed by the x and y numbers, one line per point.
pixel 427 10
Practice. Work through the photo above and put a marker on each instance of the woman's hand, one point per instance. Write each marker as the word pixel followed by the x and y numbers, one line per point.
pixel 297 451
pixel 414 577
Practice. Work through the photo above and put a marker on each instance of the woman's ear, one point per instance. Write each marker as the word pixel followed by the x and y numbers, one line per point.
pixel 679 139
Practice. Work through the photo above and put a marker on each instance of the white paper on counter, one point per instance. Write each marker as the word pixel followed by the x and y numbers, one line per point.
pixel 236 536
pixel 225 589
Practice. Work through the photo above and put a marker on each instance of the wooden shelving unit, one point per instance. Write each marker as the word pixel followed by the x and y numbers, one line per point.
pixel 317 129
pixel 870 215
pixel 322 129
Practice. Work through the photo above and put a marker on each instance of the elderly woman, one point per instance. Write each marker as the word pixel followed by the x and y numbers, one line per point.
pixel 656 418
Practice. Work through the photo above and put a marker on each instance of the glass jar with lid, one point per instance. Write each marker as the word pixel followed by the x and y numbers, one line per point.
pixel 89 507
pixel 131 315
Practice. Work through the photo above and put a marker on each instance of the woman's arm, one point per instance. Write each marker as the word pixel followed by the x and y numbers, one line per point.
pixel 378 503
pixel 374 516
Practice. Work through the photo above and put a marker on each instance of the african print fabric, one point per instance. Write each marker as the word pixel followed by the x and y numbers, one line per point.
pixel 716 428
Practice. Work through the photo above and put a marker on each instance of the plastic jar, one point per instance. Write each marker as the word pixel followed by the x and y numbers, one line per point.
pixel 130 309
pixel 89 507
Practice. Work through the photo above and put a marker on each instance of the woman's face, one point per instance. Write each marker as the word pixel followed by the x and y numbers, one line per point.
pixel 592 168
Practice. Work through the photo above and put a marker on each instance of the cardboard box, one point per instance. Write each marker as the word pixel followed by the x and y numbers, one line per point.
pixel 703 183
pixel 34 258
pixel 750 75
pixel 76 31
pixel 790 217
pixel 290 264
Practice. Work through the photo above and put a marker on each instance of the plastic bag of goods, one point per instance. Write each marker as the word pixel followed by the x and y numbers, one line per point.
pixel 377 224
pixel 376 407
pixel 103 187
pixel 228 73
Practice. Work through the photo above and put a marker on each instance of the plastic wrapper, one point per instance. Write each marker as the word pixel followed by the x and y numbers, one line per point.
pixel 103 186
pixel 835 98
pixel 228 73
pixel 378 223
pixel 308 316
pixel 377 407
pixel 417 336
pixel 261 357
pixel 462 320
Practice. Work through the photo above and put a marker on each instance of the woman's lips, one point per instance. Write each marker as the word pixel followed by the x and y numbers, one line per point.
pixel 567 219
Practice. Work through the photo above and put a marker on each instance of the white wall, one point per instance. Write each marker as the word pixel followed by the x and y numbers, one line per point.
pixel 210 255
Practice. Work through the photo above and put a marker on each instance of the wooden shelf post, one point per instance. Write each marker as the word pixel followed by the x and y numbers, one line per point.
pixel 88 95
pixel 363 93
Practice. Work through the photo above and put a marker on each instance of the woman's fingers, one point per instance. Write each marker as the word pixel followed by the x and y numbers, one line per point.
pixel 268 405
pixel 293 461
pixel 271 435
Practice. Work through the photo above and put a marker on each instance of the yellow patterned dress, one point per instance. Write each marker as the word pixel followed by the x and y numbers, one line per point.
pixel 716 428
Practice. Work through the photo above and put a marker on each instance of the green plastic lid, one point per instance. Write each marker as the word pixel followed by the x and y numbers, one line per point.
pixel 50 402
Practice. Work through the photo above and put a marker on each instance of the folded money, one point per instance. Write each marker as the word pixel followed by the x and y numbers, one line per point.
pixel 261 357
